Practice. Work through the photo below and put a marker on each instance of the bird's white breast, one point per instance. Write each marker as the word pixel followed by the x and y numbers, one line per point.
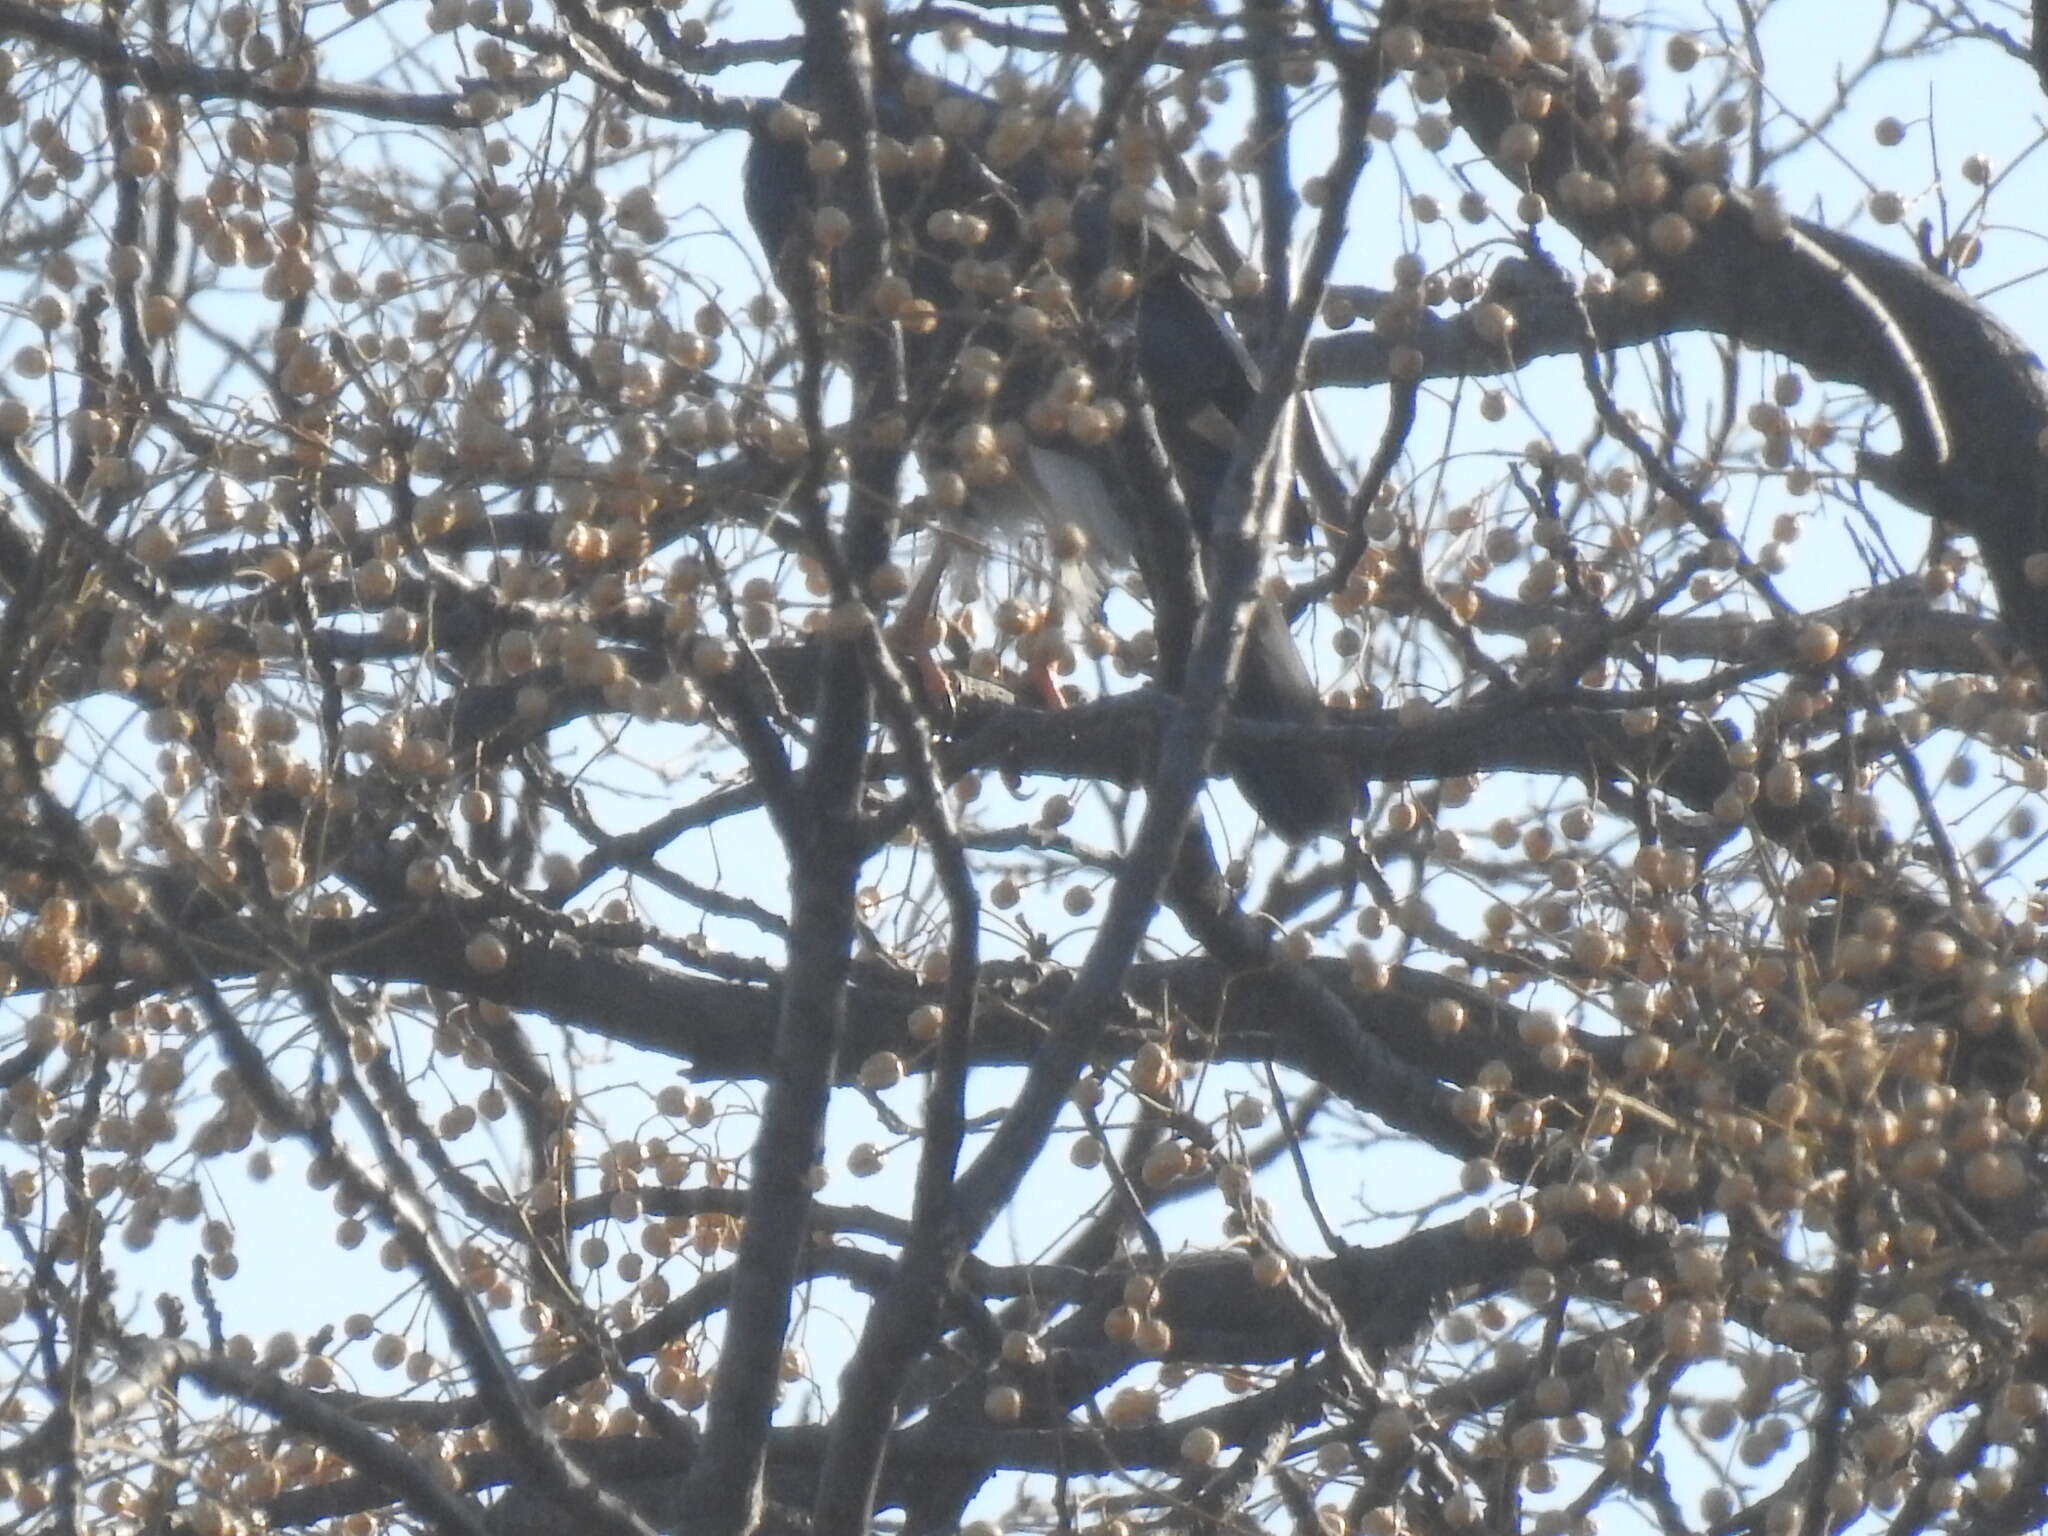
pixel 1048 491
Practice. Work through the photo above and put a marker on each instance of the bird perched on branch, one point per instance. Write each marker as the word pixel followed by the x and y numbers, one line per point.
pixel 1034 293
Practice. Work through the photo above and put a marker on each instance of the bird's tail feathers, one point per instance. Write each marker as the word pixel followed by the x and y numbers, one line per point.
pixel 1297 790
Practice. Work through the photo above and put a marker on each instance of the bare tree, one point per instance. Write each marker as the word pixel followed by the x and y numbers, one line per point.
pixel 1349 691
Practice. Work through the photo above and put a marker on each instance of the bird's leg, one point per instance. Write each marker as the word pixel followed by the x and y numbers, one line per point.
pixel 1044 649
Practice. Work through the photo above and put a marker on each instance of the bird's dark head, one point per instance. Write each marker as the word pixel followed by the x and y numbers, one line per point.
pixel 780 186
pixel 777 184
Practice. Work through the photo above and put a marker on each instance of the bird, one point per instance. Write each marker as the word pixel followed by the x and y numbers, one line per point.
pixel 1013 256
